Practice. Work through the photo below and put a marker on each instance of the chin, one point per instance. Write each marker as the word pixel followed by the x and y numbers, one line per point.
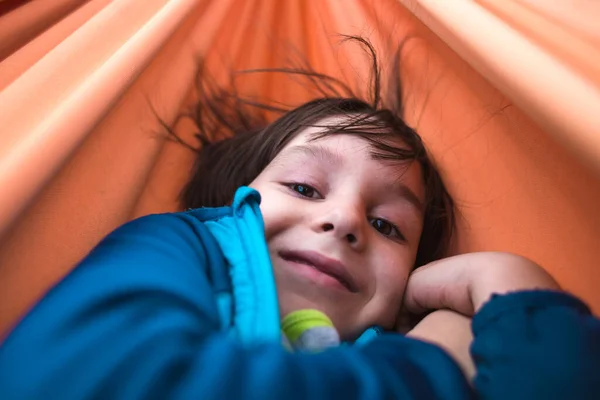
pixel 291 302
pixel 297 294
pixel 348 330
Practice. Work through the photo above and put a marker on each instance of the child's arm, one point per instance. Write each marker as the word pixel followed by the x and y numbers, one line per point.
pixel 137 319
pixel 527 343
pixel 452 332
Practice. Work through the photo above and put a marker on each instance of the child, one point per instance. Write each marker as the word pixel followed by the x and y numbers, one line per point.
pixel 327 209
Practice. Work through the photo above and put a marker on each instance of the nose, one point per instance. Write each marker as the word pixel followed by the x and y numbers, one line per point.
pixel 346 223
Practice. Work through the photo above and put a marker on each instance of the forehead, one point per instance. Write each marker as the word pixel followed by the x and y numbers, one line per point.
pixel 351 154
pixel 340 145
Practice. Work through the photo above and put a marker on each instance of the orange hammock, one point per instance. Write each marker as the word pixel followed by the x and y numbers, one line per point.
pixel 506 94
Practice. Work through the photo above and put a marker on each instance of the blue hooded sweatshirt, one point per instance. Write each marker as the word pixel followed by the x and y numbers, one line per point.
pixel 184 306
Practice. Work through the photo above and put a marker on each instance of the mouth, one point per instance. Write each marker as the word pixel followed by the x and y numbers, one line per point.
pixel 327 266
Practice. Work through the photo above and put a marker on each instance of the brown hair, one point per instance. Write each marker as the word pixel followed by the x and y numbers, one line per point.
pixel 224 164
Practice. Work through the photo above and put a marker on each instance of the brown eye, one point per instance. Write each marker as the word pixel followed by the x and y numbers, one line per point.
pixel 386 228
pixel 304 190
pixel 382 226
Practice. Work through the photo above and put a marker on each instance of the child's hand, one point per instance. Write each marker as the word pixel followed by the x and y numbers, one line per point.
pixel 464 283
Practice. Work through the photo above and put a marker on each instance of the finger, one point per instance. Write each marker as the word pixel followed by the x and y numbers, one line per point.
pixel 443 284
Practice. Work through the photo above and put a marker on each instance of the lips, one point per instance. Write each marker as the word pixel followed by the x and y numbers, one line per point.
pixel 325 265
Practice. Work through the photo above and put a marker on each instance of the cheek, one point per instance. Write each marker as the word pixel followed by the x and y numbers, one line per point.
pixel 266 206
pixel 391 285
pixel 270 217
pixel 391 276
pixel 273 210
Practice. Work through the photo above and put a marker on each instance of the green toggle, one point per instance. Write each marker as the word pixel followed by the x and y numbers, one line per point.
pixel 298 322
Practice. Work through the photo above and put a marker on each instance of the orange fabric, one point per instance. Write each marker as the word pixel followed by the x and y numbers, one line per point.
pixel 505 93
pixel 28 19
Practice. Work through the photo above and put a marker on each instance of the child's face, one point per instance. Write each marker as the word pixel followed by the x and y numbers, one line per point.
pixel 342 229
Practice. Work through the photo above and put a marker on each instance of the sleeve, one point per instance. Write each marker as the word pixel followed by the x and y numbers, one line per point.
pixel 137 319
pixel 536 345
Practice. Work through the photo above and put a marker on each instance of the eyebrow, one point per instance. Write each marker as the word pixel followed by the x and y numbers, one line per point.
pixel 318 152
pixel 404 191
pixel 334 158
